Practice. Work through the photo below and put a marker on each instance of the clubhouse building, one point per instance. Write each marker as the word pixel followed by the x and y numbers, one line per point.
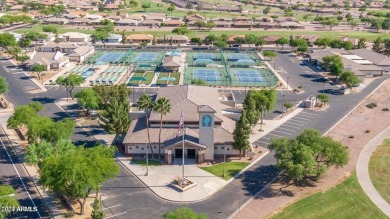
pixel 208 126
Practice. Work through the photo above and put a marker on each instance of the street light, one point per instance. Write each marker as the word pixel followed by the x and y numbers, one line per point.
pixel 147 161
pixel 5 196
pixel 282 101
pixel 287 82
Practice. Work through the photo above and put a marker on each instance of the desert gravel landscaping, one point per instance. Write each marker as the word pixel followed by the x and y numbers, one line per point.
pixel 354 131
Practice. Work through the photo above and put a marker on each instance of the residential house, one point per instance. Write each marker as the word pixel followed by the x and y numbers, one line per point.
pixel 81 54
pixel 173 23
pixel 291 25
pixel 243 24
pixel 194 17
pixel 94 17
pixel 127 22
pixel 227 8
pixel 79 21
pixel 115 18
pixel 149 23
pixel 178 3
pixel 17 8
pixel 231 39
pixel 221 19
pixel 58 47
pixel 71 16
pixel 114 38
pixel 74 37
pixel 222 23
pixel 171 63
pixel 157 17
pixel 139 38
pixel 271 40
pixel 374 57
pixel 136 17
pixel 242 18
pixel 175 39
pixel 123 14
pixel 54 20
pixel 51 60
pixel 268 25
pixel 114 6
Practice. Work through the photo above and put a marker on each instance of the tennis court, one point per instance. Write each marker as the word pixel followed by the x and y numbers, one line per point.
pixel 206 74
pixel 249 75
pixel 204 56
pixel 146 57
pixel 238 56
pixel 110 57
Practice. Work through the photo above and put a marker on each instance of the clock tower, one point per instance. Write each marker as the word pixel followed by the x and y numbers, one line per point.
pixel 206 130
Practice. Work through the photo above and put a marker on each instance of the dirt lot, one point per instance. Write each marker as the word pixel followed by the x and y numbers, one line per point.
pixel 355 131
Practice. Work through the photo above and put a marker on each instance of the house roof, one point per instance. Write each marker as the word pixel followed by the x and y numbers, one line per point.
pixel 178 22
pixel 150 22
pixel 82 50
pixel 74 35
pixel 372 56
pixel 139 37
pixel 271 37
pixel 127 21
pixel 45 58
pixel 60 45
pixel 115 36
pixel 171 61
pixel 174 37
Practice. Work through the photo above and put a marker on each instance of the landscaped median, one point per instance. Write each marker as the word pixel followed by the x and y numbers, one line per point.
pixel 143 162
pixel 231 169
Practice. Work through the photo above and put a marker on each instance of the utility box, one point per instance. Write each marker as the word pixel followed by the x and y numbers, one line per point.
pixel 310 102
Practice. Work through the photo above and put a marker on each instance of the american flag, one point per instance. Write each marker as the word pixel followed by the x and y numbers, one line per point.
pixel 181 123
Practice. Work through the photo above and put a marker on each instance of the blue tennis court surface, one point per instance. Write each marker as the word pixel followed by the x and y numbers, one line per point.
pixel 204 56
pixel 238 56
pixel 110 57
pixel 206 74
pixel 250 75
pixel 146 57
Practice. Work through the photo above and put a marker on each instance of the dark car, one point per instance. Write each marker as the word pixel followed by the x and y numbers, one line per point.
pixel 321 79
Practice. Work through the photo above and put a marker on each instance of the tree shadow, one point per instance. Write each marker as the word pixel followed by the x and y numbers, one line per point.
pixel 256 179
pixel 309 76
pixel 44 100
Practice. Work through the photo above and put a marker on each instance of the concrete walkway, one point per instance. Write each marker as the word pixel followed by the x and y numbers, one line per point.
pixel 363 175
pixel 160 177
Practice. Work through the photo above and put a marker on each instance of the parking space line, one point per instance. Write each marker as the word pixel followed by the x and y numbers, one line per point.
pixel 275 135
pixel 289 126
pixel 282 132
pixel 304 118
pixel 309 113
pixel 294 124
pixel 301 122
pixel 289 130
pixel 116 215
pixel 111 207
pixel 262 142
pixel 311 117
pixel 265 138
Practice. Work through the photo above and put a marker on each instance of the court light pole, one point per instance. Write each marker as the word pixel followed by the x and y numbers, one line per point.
pixel 224 161
pixel 147 161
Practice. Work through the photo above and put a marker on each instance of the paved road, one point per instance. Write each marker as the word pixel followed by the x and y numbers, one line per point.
pixel 13 173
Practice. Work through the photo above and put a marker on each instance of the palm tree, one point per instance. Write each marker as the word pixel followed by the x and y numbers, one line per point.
pixel 145 103
pixel 163 107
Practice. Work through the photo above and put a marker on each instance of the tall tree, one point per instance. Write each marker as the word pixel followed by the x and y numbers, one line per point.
pixel 361 43
pixel 3 85
pixel 163 107
pixel 282 41
pixel 250 107
pixel 146 104
pixel 37 152
pixel 39 69
pixel 350 79
pixel 241 134
pixel 88 99
pixel 183 213
pixel 171 8
pixel 116 118
pixel 377 45
pixel 270 54
pixel 7 200
pixel 6 40
pixel 308 155
pixel 70 82
pixel 323 42
pixel 265 101
pixel 107 93
pixel 22 115
pixel 334 64
pixel 78 172
pixel 100 36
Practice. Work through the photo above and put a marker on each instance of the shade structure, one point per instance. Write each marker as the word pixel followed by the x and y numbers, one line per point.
pixel 138 79
pixel 167 79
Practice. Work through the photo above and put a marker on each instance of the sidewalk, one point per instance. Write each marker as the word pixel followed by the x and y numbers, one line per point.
pixel 364 176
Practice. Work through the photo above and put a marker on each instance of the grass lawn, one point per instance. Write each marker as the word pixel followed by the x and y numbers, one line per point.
pixel 346 200
pixel 61 29
pixel 166 74
pixel 148 75
pixel 232 168
pixel 143 162
pixel 379 169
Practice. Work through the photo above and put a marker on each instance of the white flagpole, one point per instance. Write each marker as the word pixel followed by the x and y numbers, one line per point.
pixel 183 143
